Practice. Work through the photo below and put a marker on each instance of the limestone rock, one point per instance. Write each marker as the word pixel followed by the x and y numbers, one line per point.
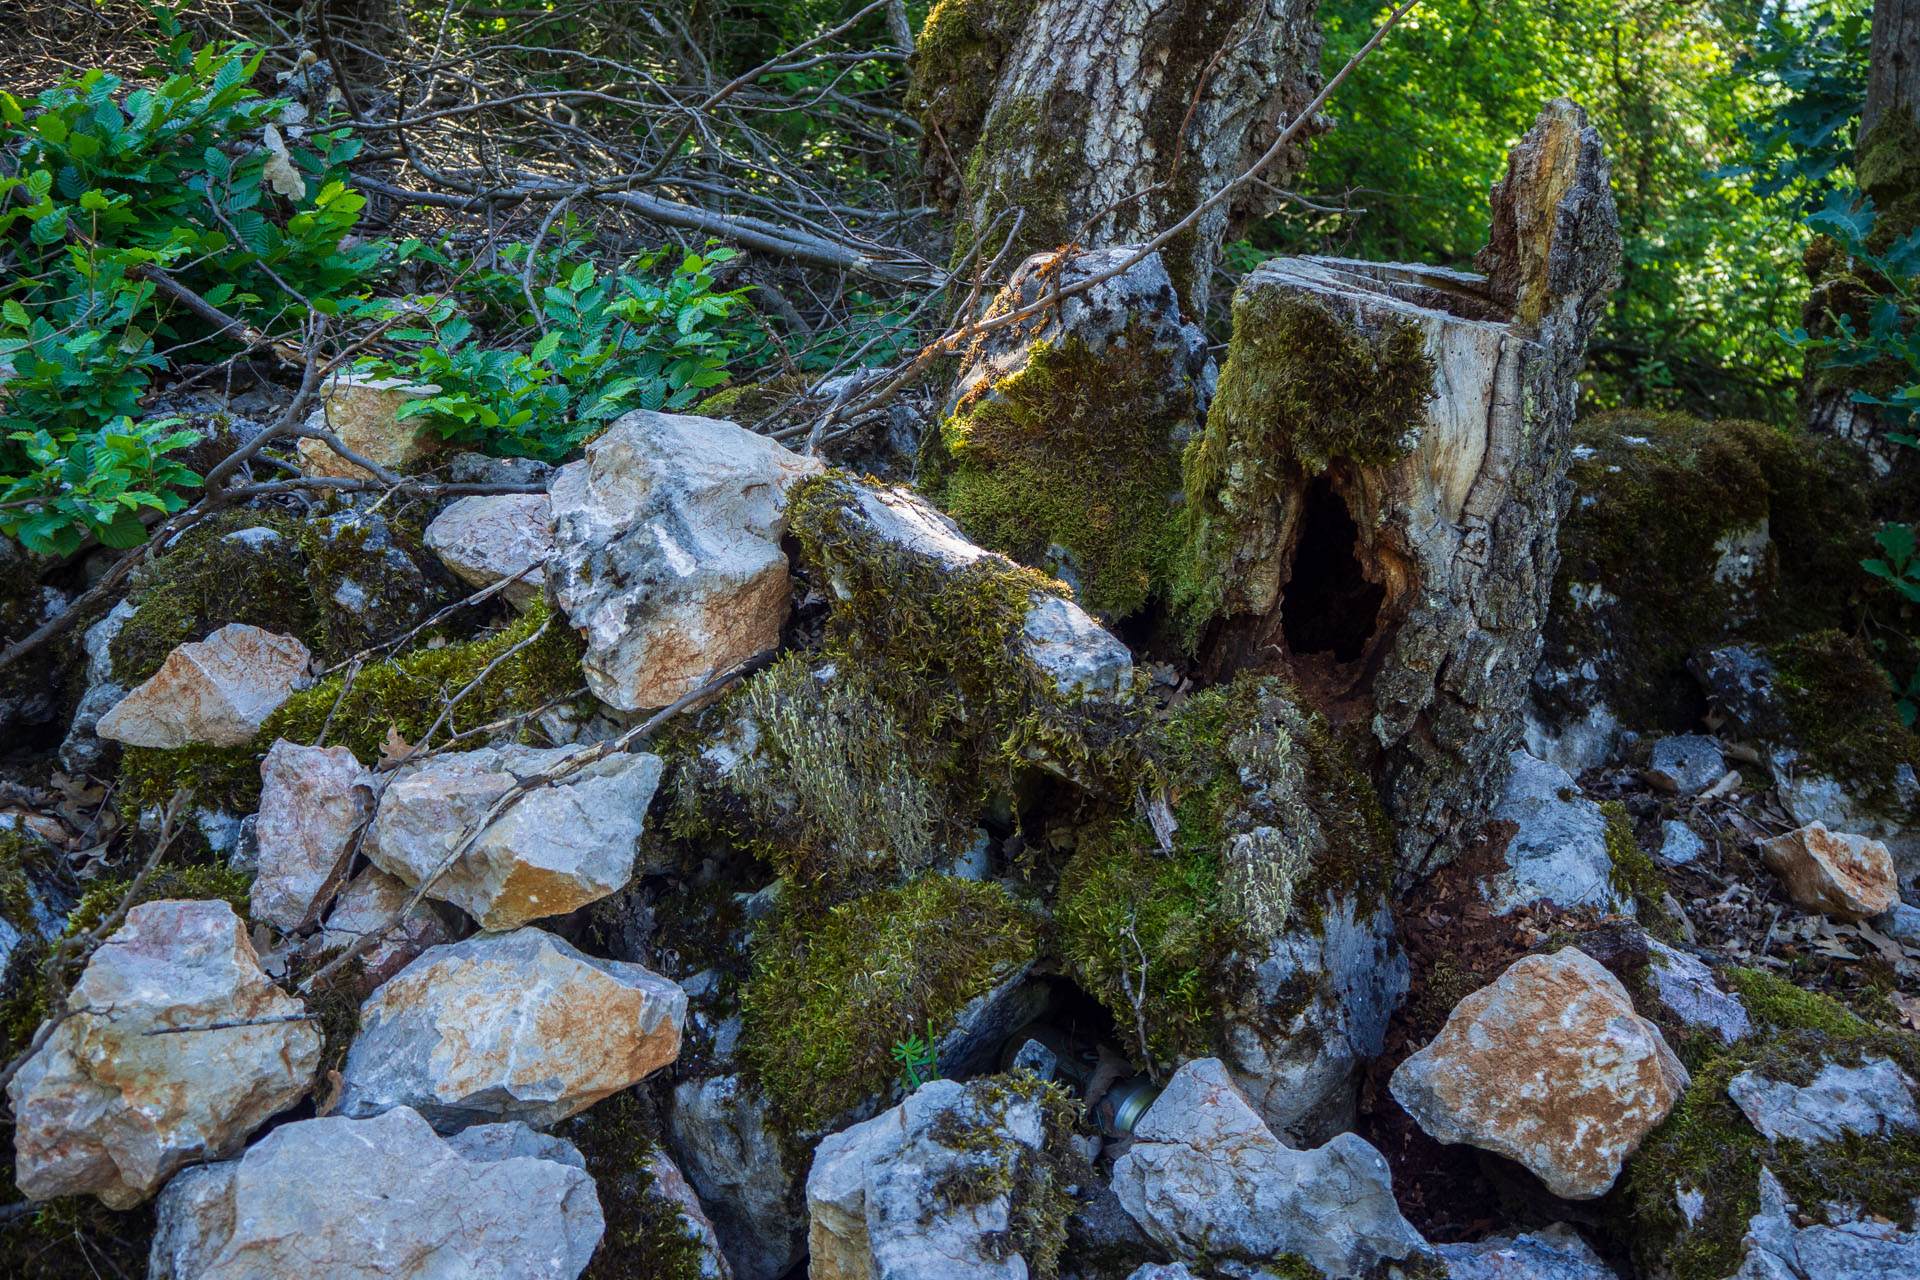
pixel 1206 1178
pixel 667 552
pixel 875 1195
pixel 381 1199
pixel 671 1185
pixel 1686 763
pixel 1870 1100
pixel 374 588
pixel 1550 1066
pixel 1066 647
pixel 313 801
pixel 1849 877
pixel 491 1143
pixel 555 849
pixel 486 538
pixel 1685 986
pixel 1901 923
pixel 1342 978
pixel 362 412
pixel 217 691
pixel 83 751
pixel 515 1026
pixel 1776 1249
pixel 1554 1253
pixel 722 1137
pixel 368 902
pixel 1560 849
pixel 107 1109
pixel 1679 844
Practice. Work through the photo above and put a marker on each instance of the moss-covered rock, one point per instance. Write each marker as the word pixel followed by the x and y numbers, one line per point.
pixel 1274 821
pixel 1686 534
pixel 833 990
pixel 1694 1184
pixel 648 1235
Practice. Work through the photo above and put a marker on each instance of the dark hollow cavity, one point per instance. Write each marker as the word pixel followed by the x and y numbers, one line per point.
pixel 1329 607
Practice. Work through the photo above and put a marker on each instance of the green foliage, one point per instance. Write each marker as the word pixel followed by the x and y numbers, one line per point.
pixel 1821 67
pixel 918 1062
pixel 1710 267
pixel 112 187
pixel 639 338
pixel 831 989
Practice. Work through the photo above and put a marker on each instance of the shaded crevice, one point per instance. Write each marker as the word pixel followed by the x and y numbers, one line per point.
pixel 1329 607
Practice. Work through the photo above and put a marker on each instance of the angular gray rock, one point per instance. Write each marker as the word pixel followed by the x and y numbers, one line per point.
pixel 381 1199
pixel 485 538
pixel 1774 1248
pixel 83 751
pixel 1550 1066
pixel 1901 923
pixel 1685 986
pixel 877 1197
pixel 1678 843
pixel 1207 1178
pixel 554 850
pixel 509 1026
pixel 1341 980
pixel 1560 850
pixel 1870 1100
pixel 722 1137
pixel 217 691
pixel 670 1185
pixel 667 552
pixel 313 801
pixel 107 1109
pixel 1552 1253
pixel 369 902
pixel 1686 763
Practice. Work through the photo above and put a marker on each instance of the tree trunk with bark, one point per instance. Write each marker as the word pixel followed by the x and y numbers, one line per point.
pixel 1376 499
pixel 1101 122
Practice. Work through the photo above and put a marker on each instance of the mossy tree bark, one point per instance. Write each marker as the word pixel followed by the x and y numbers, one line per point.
pixel 1886 167
pixel 1376 499
pixel 1101 122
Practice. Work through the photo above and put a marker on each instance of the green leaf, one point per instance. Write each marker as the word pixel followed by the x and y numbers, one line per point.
pixel 125 532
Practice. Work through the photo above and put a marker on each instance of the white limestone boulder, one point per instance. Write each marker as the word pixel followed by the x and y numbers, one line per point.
pixel 1206 1178
pixel 1549 1066
pixel 509 1026
pixel 313 802
pixel 555 849
pixel 217 691
pixel 382 1199
pixel 485 538
pixel 667 552
pixel 132 1088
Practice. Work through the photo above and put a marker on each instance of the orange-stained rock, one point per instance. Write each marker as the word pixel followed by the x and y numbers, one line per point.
pixel 1849 877
pixel 217 691
pixel 363 413
pixel 107 1108
pixel 1549 1066
pixel 371 902
pixel 509 1026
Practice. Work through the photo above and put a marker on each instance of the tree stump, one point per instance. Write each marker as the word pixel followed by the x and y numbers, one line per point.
pixel 1373 506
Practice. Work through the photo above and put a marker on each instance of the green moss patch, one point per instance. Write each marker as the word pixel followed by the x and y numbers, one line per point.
pixel 1838 709
pixel 647 1236
pixel 832 991
pixel 1273 817
pixel 1079 451
pixel 1036 1182
pixel 1658 499
pixel 1707 1145
pixel 1302 387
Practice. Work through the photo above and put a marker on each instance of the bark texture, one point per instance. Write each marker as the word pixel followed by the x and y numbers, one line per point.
pixel 1893 63
pixel 1376 498
pixel 1100 122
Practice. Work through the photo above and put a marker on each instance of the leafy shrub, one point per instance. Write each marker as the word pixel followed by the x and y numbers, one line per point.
pixel 188 178
pixel 639 338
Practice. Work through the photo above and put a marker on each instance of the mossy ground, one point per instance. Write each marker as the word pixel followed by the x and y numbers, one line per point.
pixel 1301 388
pixel 1654 494
pixel 834 989
pixel 1707 1144
pixel 1079 451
